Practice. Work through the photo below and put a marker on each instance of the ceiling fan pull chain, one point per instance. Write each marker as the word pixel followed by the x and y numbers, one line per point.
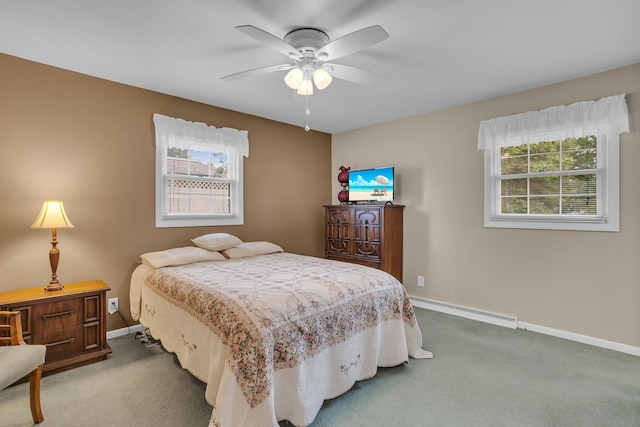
pixel 307 112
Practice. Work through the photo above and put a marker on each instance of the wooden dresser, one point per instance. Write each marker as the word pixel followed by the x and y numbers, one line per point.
pixel 366 234
pixel 70 322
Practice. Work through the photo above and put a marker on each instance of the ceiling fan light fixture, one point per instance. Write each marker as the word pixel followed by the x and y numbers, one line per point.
pixel 293 79
pixel 321 78
pixel 306 87
pixel 308 49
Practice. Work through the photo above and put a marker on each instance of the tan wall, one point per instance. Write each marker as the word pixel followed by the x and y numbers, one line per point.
pixel 582 282
pixel 90 143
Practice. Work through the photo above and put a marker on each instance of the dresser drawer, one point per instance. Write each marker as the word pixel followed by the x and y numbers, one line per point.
pixel 366 215
pixel 338 215
pixel 56 315
pixel 367 249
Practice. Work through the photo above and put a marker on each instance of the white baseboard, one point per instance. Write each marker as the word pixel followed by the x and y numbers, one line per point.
pixel 585 339
pixel 512 322
pixel 124 331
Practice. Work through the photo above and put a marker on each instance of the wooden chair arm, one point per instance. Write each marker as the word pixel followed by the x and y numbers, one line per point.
pixel 11 328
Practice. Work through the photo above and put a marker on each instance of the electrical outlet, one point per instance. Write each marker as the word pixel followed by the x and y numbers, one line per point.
pixel 113 305
pixel 420 281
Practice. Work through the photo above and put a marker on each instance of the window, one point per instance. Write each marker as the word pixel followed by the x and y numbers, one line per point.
pixel 198 173
pixel 556 168
pixel 551 178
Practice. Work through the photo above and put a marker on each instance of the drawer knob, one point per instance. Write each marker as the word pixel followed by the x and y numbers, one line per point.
pixel 61 313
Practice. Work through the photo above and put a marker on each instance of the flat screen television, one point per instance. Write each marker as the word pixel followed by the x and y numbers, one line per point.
pixel 371 185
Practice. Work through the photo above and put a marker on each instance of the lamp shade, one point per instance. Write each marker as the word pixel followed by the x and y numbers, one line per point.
pixel 321 78
pixel 293 78
pixel 306 88
pixel 52 215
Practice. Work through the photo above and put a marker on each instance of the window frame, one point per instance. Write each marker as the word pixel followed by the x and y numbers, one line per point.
pixel 608 153
pixel 170 129
pixel 605 118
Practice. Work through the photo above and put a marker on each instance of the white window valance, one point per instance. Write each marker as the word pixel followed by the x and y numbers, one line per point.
pixel 576 120
pixel 185 134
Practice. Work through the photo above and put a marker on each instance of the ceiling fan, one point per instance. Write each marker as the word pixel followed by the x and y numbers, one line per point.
pixel 308 50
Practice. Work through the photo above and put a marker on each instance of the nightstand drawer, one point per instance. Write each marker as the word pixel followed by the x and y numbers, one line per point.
pixel 56 315
pixel 60 342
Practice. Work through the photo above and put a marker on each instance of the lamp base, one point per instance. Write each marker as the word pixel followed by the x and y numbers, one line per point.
pixel 54 257
pixel 54 287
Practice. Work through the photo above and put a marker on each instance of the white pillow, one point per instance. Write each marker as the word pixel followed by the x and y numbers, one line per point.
pixel 248 249
pixel 216 241
pixel 179 256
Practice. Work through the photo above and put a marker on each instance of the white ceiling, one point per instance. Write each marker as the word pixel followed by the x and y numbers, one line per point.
pixel 440 53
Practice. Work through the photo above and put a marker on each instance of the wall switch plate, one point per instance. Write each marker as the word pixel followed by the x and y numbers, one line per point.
pixel 420 281
pixel 112 305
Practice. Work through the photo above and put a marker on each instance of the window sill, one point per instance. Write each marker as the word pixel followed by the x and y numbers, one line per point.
pixel 546 223
pixel 202 221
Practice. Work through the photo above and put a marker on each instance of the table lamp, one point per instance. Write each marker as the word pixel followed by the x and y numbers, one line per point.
pixel 53 216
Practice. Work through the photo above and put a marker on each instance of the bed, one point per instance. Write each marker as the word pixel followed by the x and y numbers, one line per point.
pixel 273 334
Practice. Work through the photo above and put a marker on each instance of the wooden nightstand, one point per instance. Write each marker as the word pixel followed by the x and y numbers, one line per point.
pixel 70 322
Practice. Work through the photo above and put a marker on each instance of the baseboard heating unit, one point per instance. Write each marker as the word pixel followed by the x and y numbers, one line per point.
pixel 469 313
pixel 513 323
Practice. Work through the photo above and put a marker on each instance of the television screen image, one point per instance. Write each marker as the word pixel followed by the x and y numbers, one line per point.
pixel 371 185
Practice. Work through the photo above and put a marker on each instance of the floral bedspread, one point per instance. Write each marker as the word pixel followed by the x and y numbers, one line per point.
pixel 274 311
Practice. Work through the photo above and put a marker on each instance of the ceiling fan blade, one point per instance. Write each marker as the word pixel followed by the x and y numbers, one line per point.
pixel 270 40
pixel 353 74
pixel 353 42
pixel 257 72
